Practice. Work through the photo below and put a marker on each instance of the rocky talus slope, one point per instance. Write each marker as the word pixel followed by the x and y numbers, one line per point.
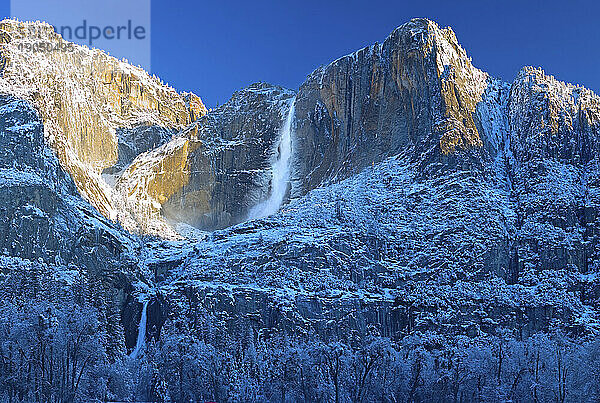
pixel 426 197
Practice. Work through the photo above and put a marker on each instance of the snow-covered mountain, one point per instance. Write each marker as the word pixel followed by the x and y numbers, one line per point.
pixel 440 229
pixel 215 170
pixel 89 101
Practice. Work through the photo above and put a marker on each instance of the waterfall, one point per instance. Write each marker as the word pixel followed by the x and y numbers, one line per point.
pixel 141 338
pixel 280 170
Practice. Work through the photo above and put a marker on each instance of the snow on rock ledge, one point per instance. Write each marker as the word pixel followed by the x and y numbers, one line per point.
pixel 84 95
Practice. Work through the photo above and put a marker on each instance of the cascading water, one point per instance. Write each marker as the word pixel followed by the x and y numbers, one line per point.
pixel 141 338
pixel 280 171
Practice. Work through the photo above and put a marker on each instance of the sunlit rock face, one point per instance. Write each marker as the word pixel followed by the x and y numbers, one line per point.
pixel 215 170
pixel 134 141
pixel 417 93
pixel 84 96
pixel 42 214
pixel 427 196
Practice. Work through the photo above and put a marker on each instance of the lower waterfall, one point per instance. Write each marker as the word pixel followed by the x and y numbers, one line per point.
pixel 141 338
pixel 280 171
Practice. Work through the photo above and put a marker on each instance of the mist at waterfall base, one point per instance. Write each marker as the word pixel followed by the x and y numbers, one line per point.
pixel 280 171
pixel 141 338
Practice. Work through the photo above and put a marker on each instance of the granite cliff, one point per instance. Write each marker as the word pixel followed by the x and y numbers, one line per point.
pixel 85 97
pixel 429 205
pixel 216 169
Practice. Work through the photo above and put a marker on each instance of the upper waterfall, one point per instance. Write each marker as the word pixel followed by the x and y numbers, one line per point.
pixel 280 170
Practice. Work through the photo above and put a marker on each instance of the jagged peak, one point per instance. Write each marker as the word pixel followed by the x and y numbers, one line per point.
pixel 261 87
pixel 423 32
pixel 427 28
pixel 569 96
pixel 537 75
pixel 558 119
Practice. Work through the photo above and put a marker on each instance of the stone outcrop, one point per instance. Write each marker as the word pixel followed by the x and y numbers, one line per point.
pixel 84 96
pixel 415 93
pixel 426 195
pixel 214 171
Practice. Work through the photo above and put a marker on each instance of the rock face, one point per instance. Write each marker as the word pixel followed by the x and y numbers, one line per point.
pixel 415 93
pixel 214 171
pixel 554 138
pixel 430 194
pixel 426 196
pixel 42 213
pixel 46 225
pixel 84 96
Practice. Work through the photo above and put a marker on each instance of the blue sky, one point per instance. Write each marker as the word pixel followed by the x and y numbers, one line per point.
pixel 214 48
